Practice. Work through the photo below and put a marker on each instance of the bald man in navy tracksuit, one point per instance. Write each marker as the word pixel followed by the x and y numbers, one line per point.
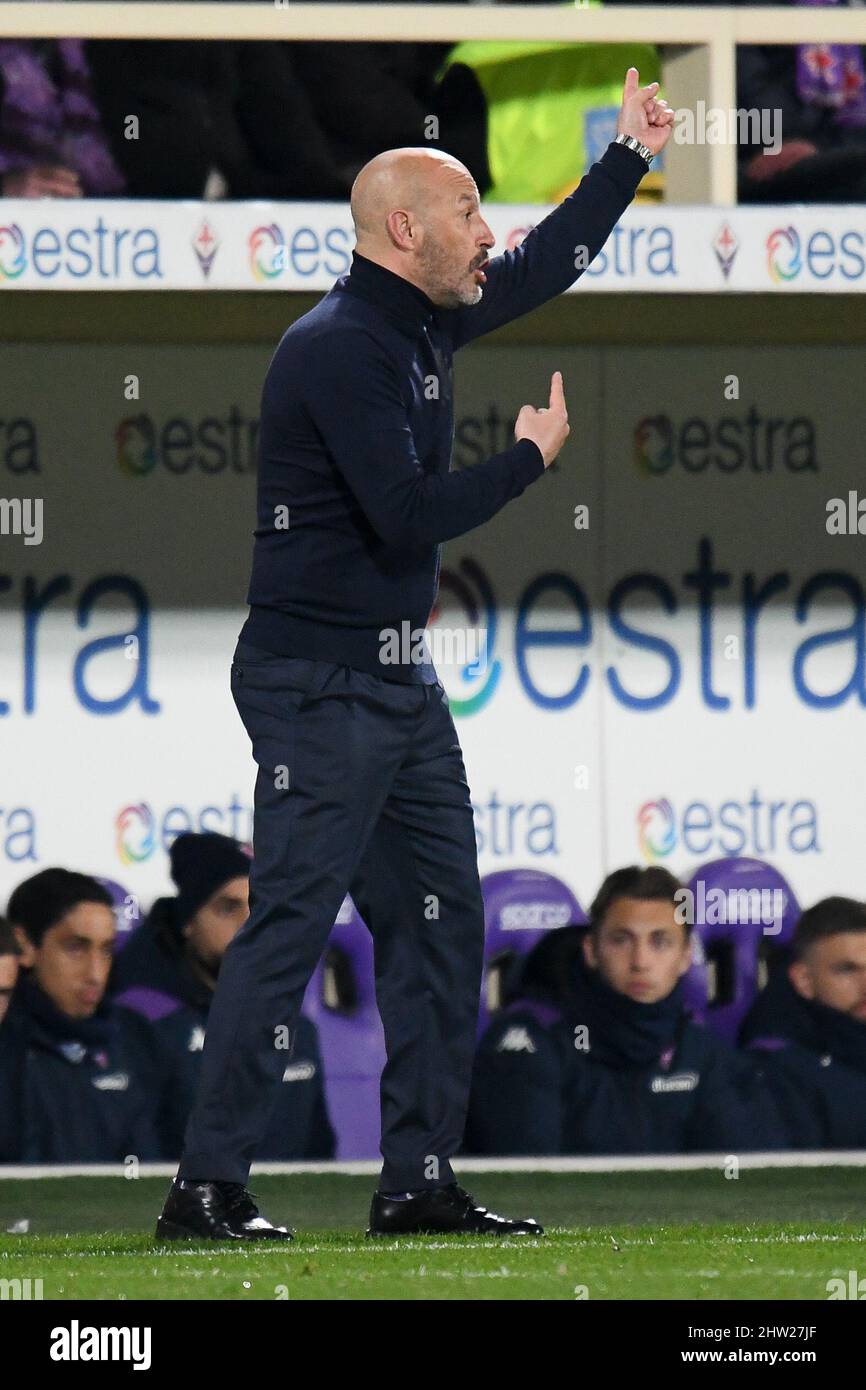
pixel 361 783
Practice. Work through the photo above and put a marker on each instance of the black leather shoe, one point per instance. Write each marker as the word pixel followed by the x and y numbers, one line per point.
pixel 444 1211
pixel 214 1211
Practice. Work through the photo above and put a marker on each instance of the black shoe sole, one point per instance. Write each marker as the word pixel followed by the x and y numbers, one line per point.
pixel 170 1230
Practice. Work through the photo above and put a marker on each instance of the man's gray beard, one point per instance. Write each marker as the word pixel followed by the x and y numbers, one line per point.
pixel 441 292
pixel 448 298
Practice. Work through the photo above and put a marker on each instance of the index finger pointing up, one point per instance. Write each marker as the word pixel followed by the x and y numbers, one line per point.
pixel 557 395
pixel 632 80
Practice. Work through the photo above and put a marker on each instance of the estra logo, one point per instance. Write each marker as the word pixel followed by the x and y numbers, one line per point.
pixel 300 251
pixel 821 255
pixel 267 249
pixel 753 826
pixel 13 254
pixel 783 255
pixel 135 439
pixel 102 250
pixel 749 443
pixel 180 444
pixel 657 831
pixel 140 830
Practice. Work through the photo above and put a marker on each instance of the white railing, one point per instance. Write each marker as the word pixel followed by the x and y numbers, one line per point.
pixel 697 42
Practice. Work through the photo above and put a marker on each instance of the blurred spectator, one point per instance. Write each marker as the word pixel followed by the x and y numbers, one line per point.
pixel 52 142
pixel 175 954
pixel 216 119
pixel 820 89
pixel 78 1080
pixel 370 97
pixel 809 1026
pixel 10 953
pixel 529 119
pixel 598 1055
pixel 168 971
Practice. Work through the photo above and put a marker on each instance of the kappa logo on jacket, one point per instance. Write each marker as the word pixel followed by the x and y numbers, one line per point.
pixel 115 1081
pixel 300 1071
pixel 517 1039
pixel 678 1081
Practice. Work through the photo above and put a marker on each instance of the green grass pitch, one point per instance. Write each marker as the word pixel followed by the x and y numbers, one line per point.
pixel 768 1234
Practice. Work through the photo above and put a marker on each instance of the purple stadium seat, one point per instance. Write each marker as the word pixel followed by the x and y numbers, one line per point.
pixel 520 906
pixel 731 954
pixel 127 911
pixel 341 1001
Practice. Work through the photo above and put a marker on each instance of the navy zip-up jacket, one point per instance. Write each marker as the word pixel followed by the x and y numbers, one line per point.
pixel 637 1079
pixel 534 1093
pixel 76 1091
pixel 355 492
pixel 814 1061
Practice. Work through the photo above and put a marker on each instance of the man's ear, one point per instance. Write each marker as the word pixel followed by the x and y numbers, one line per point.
pixel 589 955
pixel 798 974
pixel 400 229
pixel 28 951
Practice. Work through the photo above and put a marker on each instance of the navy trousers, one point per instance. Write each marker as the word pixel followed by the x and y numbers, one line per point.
pixel 360 787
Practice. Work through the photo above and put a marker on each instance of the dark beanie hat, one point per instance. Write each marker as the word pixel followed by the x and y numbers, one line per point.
pixel 200 865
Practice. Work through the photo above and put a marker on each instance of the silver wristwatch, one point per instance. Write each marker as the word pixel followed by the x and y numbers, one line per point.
pixel 632 144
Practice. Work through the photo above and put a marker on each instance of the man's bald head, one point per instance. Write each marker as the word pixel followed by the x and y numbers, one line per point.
pixel 403 180
pixel 417 212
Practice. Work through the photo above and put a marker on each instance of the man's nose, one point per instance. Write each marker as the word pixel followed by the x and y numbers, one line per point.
pixel 97 968
pixel 487 239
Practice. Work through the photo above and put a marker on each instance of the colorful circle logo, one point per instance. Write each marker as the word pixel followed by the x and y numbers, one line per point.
pixel 783 254
pixel 472 590
pixel 654 444
pixel 656 829
pixel 13 258
pixel 267 252
pixel 134 832
pixel 135 438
